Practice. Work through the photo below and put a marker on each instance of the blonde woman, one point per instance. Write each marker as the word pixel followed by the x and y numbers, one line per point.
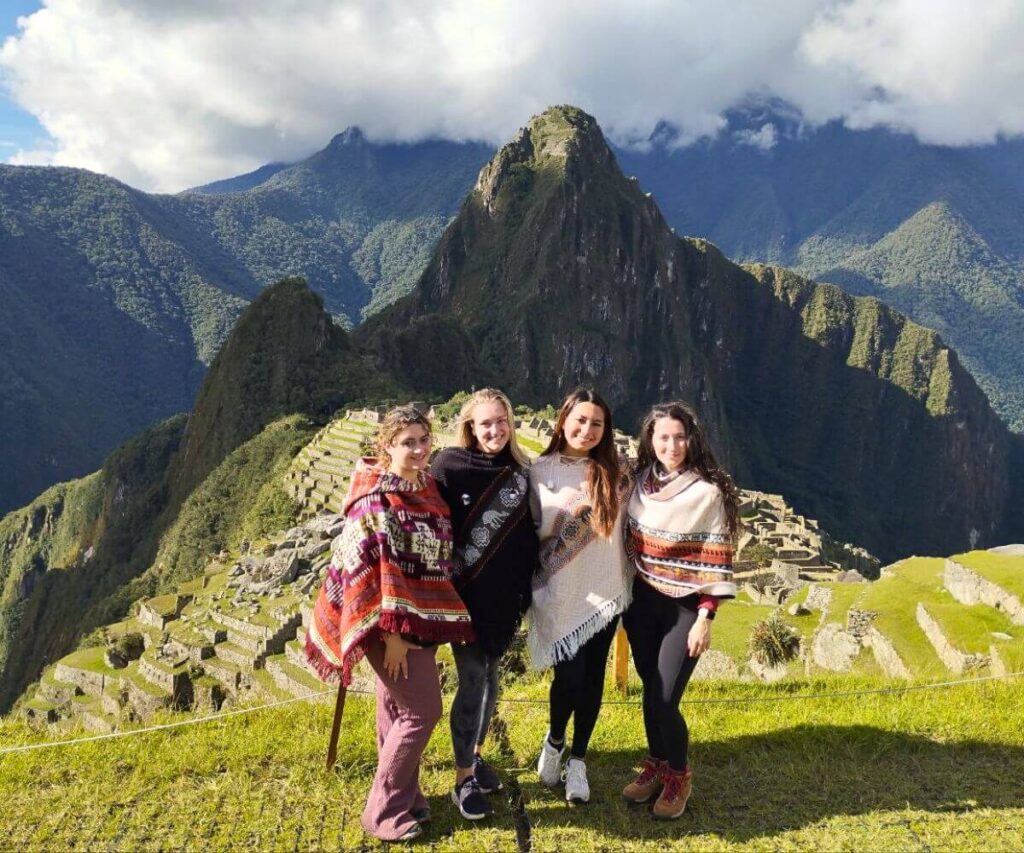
pixel 485 483
pixel 389 596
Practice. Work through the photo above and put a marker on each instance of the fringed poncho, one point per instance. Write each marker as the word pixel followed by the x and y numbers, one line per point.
pixel 390 571
pixel 679 537
pixel 495 541
pixel 584 581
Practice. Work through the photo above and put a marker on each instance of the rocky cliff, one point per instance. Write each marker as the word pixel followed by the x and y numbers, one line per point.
pixel 559 271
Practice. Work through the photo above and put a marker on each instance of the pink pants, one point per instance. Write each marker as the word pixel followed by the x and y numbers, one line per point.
pixel 407 712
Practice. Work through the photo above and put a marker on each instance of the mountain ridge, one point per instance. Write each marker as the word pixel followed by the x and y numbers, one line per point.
pixel 553 228
pixel 81 552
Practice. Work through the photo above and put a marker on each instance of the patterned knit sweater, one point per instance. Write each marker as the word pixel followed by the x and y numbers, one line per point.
pixel 495 540
pixel 390 571
pixel 678 537
pixel 584 581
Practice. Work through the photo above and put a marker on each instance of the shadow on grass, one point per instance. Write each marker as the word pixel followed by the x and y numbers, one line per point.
pixel 760 786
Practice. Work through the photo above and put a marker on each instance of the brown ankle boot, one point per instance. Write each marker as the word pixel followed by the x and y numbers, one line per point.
pixel 647 783
pixel 676 791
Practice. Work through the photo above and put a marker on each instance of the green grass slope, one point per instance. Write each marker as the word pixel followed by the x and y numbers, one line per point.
pixel 1004 571
pixel 884 772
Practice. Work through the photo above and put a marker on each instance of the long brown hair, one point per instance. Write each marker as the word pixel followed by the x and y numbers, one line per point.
pixel 699 456
pixel 393 423
pixel 603 468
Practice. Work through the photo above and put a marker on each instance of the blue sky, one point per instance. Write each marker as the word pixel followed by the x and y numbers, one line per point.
pixel 18 129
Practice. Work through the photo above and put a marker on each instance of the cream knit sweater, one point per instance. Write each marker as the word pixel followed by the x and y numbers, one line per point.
pixel 679 537
pixel 584 581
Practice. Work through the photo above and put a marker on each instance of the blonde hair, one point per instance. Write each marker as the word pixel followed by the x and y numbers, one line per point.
pixel 394 422
pixel 464 423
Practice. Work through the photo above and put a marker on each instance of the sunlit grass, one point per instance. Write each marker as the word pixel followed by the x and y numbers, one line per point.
pixel 936 769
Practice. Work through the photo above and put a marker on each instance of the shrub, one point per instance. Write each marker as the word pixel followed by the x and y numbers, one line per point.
pixel 758 553
pixel 445 413
pixel 773 642
pixel 129 646
pixel 762 581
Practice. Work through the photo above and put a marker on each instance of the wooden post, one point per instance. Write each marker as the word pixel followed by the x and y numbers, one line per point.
pixel 339 710
pixel 620 660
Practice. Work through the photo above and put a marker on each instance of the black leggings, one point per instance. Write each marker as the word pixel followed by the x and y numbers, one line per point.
pixel 577 690
pixel 658 627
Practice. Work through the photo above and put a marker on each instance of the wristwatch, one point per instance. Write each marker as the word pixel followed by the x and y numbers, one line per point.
pixel 709 614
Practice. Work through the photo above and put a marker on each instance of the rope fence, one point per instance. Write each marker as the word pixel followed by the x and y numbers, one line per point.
pixel 737 700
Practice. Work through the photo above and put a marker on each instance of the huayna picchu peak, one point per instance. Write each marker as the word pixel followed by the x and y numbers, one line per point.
pixel 559 270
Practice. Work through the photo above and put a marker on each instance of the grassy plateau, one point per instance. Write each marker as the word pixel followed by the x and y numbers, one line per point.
pixel 783 770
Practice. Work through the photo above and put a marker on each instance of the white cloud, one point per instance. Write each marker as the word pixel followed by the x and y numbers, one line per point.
pixel 765 138
pixel 170 93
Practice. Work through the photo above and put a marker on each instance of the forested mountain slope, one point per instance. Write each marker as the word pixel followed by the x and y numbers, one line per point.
pixel 937 233
pixel 113 302
pixel 559 270
pixel 81 552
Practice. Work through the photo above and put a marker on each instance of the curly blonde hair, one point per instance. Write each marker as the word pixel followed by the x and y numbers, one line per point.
pixel 464 423
pixel 394 422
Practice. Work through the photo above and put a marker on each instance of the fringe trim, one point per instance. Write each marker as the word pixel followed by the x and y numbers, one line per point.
pixel 327 671
pixel 431 630
pixel 545 656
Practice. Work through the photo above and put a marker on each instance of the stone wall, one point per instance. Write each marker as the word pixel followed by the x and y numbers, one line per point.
pixel 715 664
pixel 90 683
pixel 144 703
pixel 171 682
pixel 834 648
pixel 968 587
pixel 885 654
pixel 955 661
pixel 858 622
pixel 819 597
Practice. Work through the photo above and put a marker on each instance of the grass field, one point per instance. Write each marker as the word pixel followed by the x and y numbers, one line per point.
pixel 915 771
pixel 1002 570
pixel 969 628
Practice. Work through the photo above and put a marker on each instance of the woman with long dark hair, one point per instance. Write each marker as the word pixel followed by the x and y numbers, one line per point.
pixel 388 596
pixel 576 492
pixel 484 480
pixel 682 520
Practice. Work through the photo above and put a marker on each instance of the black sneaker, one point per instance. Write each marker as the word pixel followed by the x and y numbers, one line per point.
pixel 485 775
pixel 471 801
pixel 421 816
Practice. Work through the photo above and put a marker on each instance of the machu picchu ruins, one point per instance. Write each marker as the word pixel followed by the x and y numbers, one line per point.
pixel 234 635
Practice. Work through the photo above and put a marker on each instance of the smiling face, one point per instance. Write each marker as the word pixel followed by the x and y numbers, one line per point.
pixel 410 451
pixel 583 429
pixel 668 438
pixel 490 425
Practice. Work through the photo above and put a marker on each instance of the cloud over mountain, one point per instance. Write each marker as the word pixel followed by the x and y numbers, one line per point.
pixel 166 95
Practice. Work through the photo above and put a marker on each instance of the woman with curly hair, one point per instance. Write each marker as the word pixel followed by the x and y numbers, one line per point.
pixel 682 520
pixel 389 597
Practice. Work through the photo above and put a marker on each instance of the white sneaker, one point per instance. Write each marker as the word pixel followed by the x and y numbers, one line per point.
pixel 577 789
pixel 549 765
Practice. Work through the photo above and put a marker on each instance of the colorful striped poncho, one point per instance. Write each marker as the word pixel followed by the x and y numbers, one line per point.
pixel 390 571
pixel 679 537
